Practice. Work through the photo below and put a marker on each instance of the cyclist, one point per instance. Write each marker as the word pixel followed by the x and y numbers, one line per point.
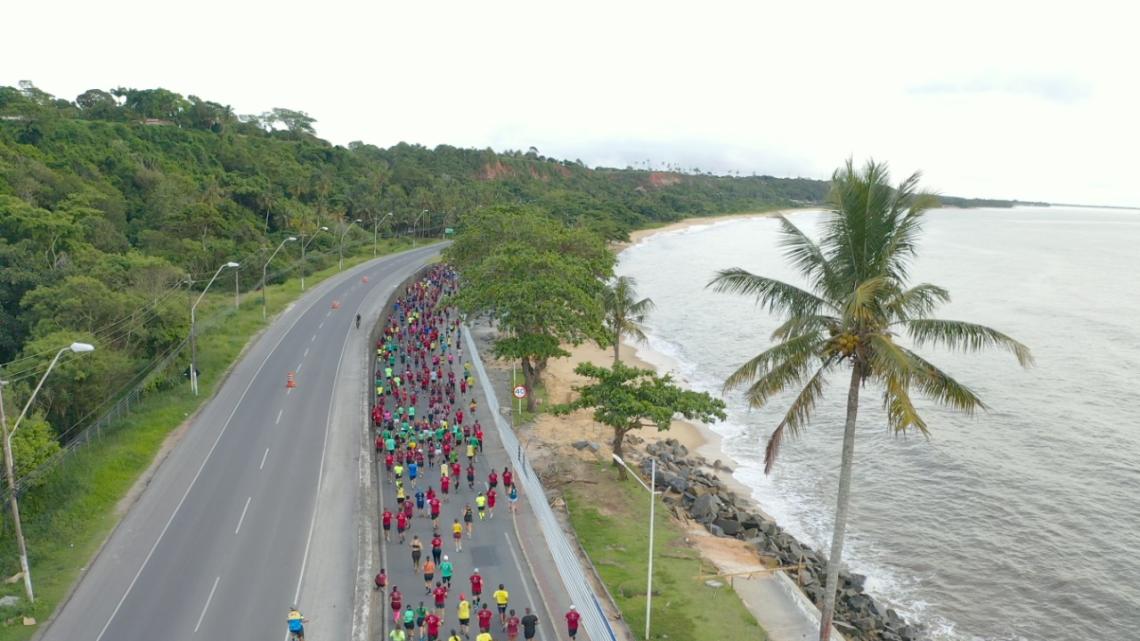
pixel 296 623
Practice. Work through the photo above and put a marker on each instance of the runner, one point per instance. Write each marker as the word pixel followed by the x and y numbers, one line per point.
pixel 502 597
pixel 485 615
pixel 446 571
pixel 436 546
pixel 454 637
pixel 476 586
pixel 433 623
pixel 396 600
pixel 409 617
pixel 440 594
pixel 470 474
pixel 513 497
pixel 417 552
pixel 464 612
pixel 491 496
pixel 401 525
pixel 508 478
pixel 493 480
pixel 572 619
pixel 530 625
pixel 481 505
pixel 381 580
pixel 386 519
pixel 429 575
pixel 457 534
pixel 435 508
pixel 512 626
pixel 469 520
pixel 421 616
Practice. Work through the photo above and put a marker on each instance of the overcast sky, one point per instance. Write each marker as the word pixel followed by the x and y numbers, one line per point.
pixel 988 99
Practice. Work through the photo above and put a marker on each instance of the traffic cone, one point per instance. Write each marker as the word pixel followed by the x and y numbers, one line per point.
pixel 291 381
pixel 336 304
pixel 364 279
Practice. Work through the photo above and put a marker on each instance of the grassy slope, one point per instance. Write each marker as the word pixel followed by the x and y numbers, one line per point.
pixel 612 530
pixel 84 491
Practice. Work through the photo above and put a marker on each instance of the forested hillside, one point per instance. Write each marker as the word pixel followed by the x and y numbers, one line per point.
pixel 112 202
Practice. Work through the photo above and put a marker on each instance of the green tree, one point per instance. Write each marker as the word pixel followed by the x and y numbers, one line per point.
pixel 859 300
pixel 32 445
pixel 628 398
pixel 624 314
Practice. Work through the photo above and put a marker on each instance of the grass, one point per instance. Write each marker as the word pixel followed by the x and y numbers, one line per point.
pixel 610 519
pixel 69 516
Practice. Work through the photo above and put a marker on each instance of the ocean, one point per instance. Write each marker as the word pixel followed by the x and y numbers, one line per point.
pixel 1019 523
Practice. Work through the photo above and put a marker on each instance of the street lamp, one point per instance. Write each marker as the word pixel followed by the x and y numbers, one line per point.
pixel 652 504
pixel 340 251
pixel 194 331
pixel 375 226
pixel 264 303
pixel 414 222
pixel 305 246
pixel 9 464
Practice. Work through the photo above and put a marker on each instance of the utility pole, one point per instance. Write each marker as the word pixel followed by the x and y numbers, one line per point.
pixel 9 471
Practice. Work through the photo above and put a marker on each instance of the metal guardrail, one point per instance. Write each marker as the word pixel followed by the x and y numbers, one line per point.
pixel 594 620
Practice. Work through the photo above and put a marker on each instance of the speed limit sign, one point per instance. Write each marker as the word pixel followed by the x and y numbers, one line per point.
pixel 520 391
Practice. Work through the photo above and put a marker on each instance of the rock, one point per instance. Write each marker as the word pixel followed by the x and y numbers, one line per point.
pixel 715 530
pixel 594 447
pixel 580 445
pixel 704 507
pixel 714 584
pixel 730 527
pixel 680 451
pixel 678 484
pixel 9 601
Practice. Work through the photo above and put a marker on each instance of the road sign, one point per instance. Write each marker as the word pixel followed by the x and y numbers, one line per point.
pixel 520 391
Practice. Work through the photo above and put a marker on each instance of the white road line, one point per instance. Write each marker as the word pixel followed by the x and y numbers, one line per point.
pixel 322 324
pixel 279 413
pixel 518 566
pixel 263 457
pixel 306 353
pixel 290 389
pixel 197 474
pixel 243 510
pixel 205 607
pixel 298 370
pixel 313 338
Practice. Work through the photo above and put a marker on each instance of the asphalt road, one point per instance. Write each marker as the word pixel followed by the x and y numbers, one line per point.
pixel 257 506
pixel 494 547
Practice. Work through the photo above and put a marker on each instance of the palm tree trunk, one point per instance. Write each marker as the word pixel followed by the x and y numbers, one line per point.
pixel 845 466
pixel 617 355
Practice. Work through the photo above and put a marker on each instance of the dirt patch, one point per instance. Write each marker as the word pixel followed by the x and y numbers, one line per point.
pixel 663 179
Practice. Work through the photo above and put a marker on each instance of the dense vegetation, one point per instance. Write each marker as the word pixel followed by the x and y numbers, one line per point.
pixel 112 202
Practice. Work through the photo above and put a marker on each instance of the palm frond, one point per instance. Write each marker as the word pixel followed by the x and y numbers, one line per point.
pixel 773 295
pixel 862 305
pixel 964 336
pixel 797 325
pixel 888 359
pixel 800 347
pixel 917 302
pixel 807 256
pixel 798 414
pixel 901 413
pixel 940 387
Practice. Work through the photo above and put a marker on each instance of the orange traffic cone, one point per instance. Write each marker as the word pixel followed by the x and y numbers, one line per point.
pixel 291 381
pixel 364 279
pixel 336 304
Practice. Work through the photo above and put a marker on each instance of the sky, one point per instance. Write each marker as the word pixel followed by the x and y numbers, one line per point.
pixel 1002 99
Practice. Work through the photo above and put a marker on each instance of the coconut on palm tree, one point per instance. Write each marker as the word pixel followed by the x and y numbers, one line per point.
pixel 857 306
pixel 624 314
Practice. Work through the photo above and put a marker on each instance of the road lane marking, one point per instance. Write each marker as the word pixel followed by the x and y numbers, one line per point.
pixel 518 566
pixel 313 338
pixel 279 413
pixel 207 606
pixel 263 457
pixel 298 370
pixel 306 353
pixel 193 481
pixel 322 324
pixel 243 510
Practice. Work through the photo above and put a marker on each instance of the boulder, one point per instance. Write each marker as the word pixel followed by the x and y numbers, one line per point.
pixel 730 527
pixel 715 530
pixel 680 451
pixel 704 507
pixel 580 445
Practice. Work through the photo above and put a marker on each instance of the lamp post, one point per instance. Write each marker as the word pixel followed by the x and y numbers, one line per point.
pixel 9 464
pixel 414 223
pixel 305 246
pixel 375 227
pixel 264 302
pixel 194 329
pixel 652 504
pixel 340 250
pixel 237 290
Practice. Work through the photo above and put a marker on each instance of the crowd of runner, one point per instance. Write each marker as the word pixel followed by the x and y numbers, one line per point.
pixel 431 446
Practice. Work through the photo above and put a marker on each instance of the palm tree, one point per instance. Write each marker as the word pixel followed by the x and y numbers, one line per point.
pixel 858 301
pixel 624 314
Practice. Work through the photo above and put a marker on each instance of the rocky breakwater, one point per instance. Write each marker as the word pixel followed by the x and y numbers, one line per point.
pixel 693 488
